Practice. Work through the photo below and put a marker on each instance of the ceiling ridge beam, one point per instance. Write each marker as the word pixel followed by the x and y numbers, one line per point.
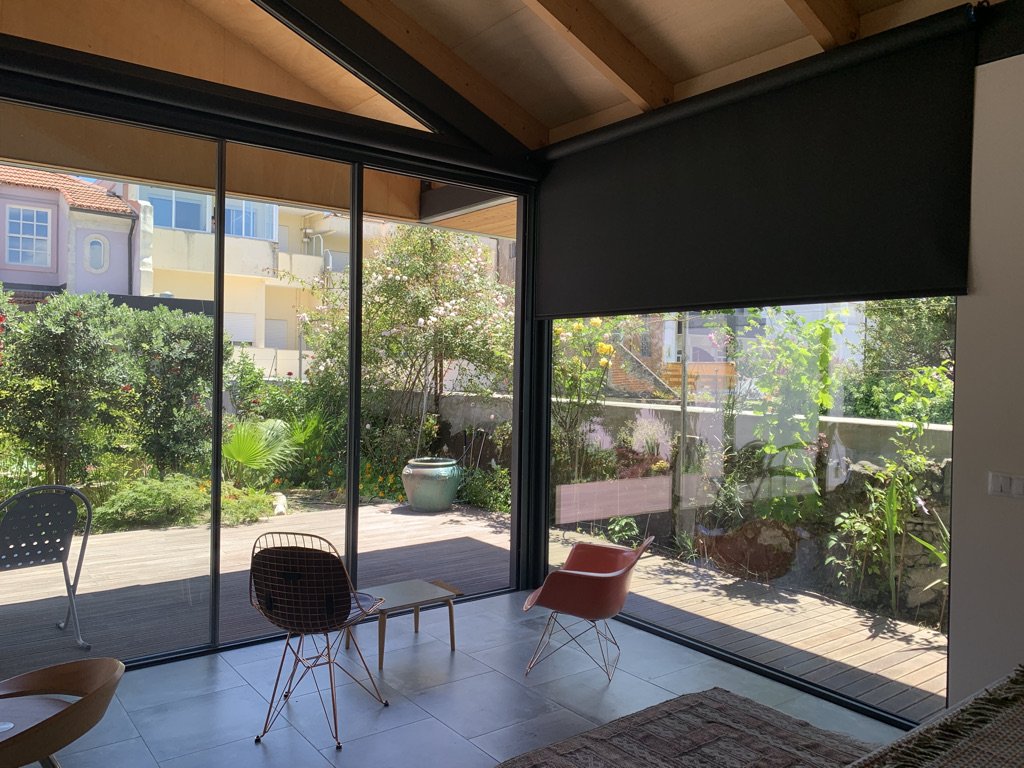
pixel 590 32
pixel 402 30
pixel 382 64
pixel 830 22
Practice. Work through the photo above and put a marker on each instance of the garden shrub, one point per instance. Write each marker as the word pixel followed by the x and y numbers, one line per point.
pixel 487 489
pixel 177 500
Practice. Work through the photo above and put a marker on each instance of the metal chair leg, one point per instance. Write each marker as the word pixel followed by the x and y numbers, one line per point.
pixel 605 642
pixel 72 614
pixel 545 638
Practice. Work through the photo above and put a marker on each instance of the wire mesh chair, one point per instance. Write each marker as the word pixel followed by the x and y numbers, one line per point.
pixel 591 586
pixel 299 583
pixel 36 528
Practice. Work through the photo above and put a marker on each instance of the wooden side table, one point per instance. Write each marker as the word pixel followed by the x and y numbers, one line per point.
pixel 414 594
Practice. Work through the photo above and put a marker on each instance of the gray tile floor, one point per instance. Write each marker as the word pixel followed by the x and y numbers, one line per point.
pixel 466 709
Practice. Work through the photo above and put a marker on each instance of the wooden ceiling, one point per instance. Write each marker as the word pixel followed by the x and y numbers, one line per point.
pixel 546 70
pixel 542 70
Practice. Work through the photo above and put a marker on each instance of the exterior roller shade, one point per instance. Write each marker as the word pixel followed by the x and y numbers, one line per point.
pixel 88 145
pixel 848 184
pixel 273 175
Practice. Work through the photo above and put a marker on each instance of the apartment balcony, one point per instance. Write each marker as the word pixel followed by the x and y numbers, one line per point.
pixel 177 249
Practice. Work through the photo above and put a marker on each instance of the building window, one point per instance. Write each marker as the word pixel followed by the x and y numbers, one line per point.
pixel 97 254
pixel 246 218
pixel 178 209
pixel 28 236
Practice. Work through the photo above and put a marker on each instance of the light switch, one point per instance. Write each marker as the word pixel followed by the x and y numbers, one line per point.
pixel 999 484
pixel 1017 486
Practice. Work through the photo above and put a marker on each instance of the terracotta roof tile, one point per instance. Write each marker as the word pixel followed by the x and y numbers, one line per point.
pixel 78 193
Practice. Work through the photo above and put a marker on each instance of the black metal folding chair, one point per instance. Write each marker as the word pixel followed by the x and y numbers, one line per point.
pixel 36 528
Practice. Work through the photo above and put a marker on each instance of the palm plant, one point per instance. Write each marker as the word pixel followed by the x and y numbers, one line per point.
pixel 254 450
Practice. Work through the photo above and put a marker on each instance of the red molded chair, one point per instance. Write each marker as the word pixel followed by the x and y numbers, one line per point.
pixel 591 587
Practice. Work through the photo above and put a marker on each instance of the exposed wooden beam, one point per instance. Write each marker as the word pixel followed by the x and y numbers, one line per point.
pixel 408 35
pixel 603 45
pixel 831 22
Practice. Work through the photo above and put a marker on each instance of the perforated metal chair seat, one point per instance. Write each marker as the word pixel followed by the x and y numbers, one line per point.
pixel 36 528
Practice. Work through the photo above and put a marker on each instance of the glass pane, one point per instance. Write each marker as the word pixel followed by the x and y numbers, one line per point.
pixel 111 373
pixel 792 464
pixel 438 325
pixel 285 416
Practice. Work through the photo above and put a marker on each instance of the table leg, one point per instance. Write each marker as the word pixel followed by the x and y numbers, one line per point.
pixel 451 622
pixel 416 618
pixel 382 629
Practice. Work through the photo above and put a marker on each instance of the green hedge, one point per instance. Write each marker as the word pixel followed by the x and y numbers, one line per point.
pixel 177 500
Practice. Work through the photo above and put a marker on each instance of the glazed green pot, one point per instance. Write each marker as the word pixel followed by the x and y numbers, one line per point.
pixel 431 483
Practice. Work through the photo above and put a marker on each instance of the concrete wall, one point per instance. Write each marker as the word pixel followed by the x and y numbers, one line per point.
pixel 986 637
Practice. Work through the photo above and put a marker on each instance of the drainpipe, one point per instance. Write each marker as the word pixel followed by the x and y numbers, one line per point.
pixel 131 255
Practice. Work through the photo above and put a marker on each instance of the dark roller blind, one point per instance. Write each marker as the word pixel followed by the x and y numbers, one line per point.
pixel 851 183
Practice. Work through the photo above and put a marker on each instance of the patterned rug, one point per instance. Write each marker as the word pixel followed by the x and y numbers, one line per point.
pixel 985 731
pixel 714 728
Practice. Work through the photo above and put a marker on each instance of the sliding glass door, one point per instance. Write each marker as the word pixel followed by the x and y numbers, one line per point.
pixel 792 462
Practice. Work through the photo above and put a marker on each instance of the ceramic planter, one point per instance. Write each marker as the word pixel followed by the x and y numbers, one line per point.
pixel 431 482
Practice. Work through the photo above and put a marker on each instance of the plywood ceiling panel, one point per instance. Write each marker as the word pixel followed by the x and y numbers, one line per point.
pixel 231 42
pixel 520 54
pixel 685 39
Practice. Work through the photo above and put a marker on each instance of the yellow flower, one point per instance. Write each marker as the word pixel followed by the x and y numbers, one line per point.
pixel 603 362
pixel 577 326
pixel 605 349
pixel 595 322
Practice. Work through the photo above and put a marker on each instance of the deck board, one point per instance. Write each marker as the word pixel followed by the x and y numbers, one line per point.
pixel 148 592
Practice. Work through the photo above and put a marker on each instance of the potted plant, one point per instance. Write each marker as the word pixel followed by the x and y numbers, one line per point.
pixel 431 482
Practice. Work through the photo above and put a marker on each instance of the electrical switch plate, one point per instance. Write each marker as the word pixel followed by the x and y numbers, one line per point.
pixel 999 484
pixel 1017 486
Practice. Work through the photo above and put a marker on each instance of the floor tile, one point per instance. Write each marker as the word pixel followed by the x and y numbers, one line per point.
pixel 162 683
pixel 713 673
pixel 261 674
pixel 257 652
pixel 281 748
pixel 591 695
pixel 115 726
pixel 133 752
pixel 200 722
pixel 482 703
pixel 511 661
pixel 505 607
pixel 531 734
pixel 478 631
pixel 832 717
pixel 422 666
pixel 467 709
pixel 359 714
pixel 433 742
pixel 648 656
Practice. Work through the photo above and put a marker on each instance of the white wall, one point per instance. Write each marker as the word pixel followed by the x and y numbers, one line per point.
pixel 987 567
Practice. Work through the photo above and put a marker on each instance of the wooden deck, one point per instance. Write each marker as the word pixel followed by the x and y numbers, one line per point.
pixel 148 592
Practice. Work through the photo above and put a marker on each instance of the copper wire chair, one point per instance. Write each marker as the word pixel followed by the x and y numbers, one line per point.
pixel 299 583
pixel 36 528
pixel 591 587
